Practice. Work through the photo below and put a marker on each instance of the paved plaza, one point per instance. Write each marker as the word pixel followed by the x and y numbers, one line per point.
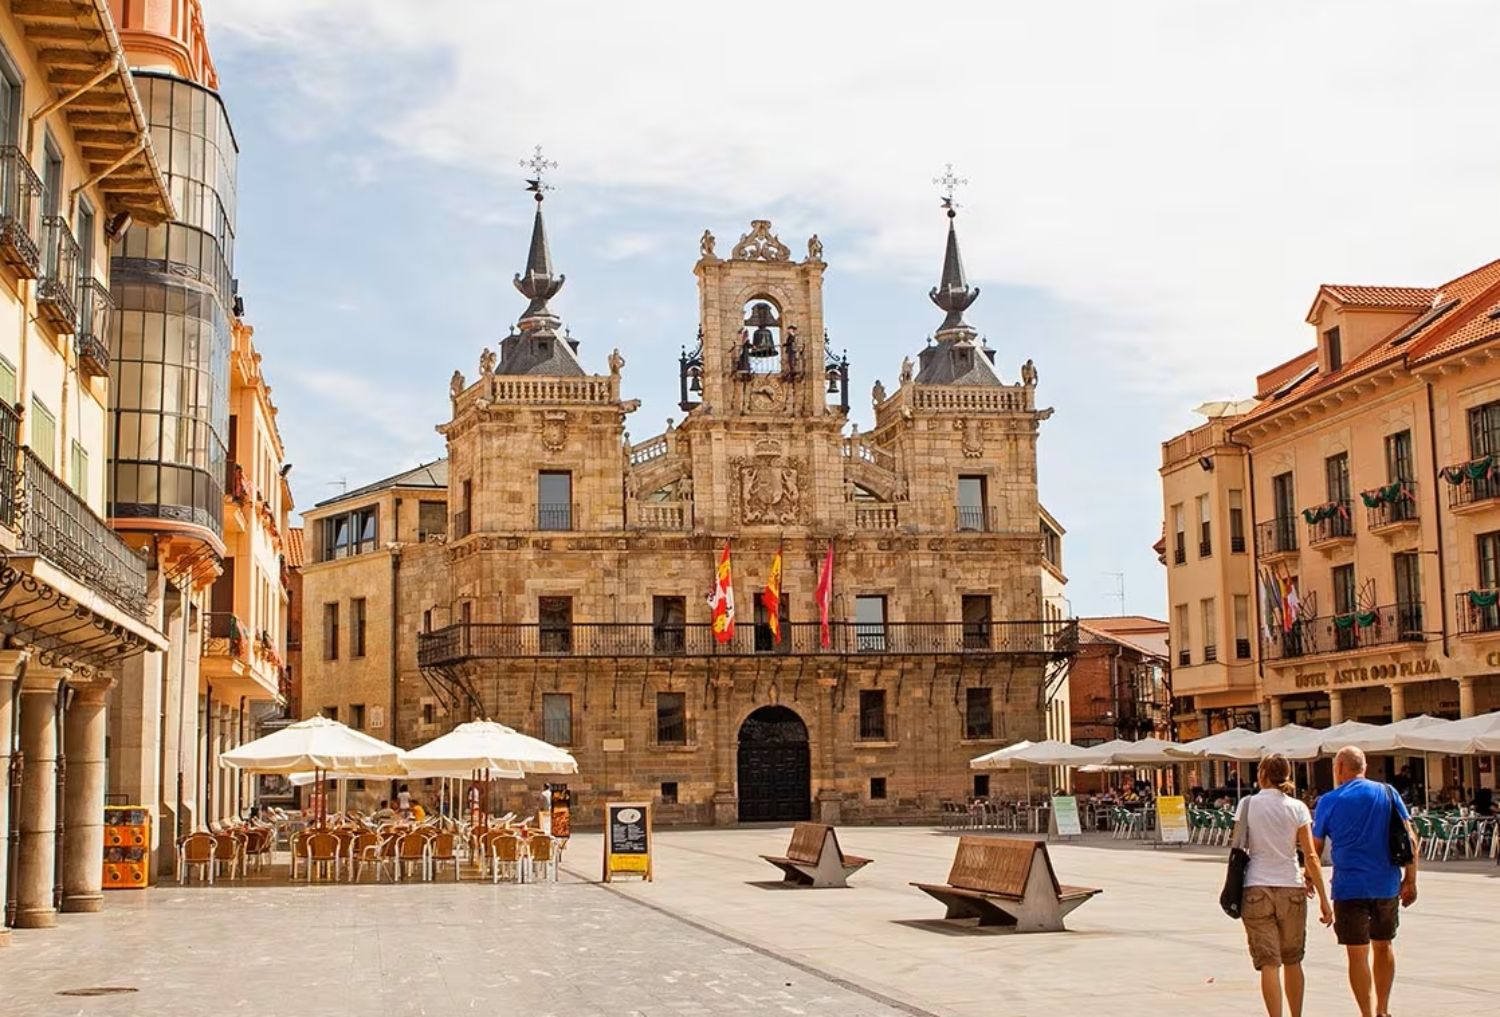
pixel 712 936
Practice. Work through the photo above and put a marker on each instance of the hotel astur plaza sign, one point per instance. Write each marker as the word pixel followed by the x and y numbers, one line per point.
pixel 1369 674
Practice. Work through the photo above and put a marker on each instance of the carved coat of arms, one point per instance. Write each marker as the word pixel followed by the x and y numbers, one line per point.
pixel 770 490
pixel 554 430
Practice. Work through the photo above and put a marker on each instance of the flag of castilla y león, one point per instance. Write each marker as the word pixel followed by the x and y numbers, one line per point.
pixel 722 599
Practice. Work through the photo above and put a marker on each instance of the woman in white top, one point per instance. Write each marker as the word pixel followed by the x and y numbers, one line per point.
pixel 1272 825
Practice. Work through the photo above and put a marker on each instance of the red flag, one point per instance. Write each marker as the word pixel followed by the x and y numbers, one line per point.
pixel 771 597
pixel 824 594
pixel 723 599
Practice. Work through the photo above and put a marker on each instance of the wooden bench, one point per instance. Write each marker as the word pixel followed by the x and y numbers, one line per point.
pixel 815 859
pixel 1007 882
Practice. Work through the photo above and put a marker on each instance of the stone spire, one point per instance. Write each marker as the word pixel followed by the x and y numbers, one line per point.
pixel 953 357
pixel 538 284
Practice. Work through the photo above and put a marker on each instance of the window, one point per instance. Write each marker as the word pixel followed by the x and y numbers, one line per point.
pixel 466 612
pixel 1344 602
pixel 1237 522
pixel 1334 344
pixel 432 519
pixel 1407 570
pixel 349 534
pixel 1398 465
pixel 78 471
pixel 669 624
pixel 1284 530
pixel 1484 430
pixel 357 627
pixel 557 718
pixel 1051 545
pixel 872 714
pixel 555 618
pixel 669 792
pixel 84 233
pixel 971 503
pixel 52 188
pixel 427 620
pixel 1210 629
pixel 1179 534
pixel 1487 619
pixel 1241 627
pixel 976 616
pixel 10 102
pixel 357 716
pixel 429 713
pixel 671 718
pixel 43 434
pixel 765 639
pixel 1205 528
pixel 1184 655
pixel 331 712
pixel 981 785
pixel 869 623
pixel 7 382
pixel 554 500
pixel 330 632
pixel 1336 468
pixel 877 788
pixel 463 521
pixel 979 713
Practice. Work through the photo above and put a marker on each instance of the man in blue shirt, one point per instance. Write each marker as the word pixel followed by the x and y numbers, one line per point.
pixel 1367 885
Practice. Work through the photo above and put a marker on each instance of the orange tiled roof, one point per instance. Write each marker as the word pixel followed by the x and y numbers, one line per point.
pixel 1380 296
pixel 295 552
pixel 1469 323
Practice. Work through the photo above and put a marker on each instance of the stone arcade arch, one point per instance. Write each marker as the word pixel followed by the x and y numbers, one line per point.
pixel 774 767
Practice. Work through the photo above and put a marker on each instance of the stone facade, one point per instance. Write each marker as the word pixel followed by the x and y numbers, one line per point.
pixel 567 596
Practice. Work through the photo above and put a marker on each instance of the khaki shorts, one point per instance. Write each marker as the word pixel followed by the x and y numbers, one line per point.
pixel 1275 920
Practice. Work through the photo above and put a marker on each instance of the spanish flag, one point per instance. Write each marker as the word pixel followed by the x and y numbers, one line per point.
pixel 771 597
pixel 723 599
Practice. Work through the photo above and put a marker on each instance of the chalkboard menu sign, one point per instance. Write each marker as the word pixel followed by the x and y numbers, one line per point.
pixel 627 839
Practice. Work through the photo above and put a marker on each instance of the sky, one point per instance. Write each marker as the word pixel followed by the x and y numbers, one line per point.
pixel 1155 192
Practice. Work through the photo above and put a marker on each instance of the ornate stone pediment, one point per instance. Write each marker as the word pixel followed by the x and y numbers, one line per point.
pixel 760 244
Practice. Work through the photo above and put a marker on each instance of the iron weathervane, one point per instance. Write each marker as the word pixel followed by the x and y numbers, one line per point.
pixel 539 165
pixel 949 182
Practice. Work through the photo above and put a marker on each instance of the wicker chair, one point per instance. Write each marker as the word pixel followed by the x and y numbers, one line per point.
pixel 229 852
pixel 196 849
pixel 442 850
pixel 411 849
pixel 503 851
pixel 541 852
pixel 322 854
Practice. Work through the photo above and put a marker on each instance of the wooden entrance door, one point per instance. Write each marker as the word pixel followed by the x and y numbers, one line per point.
pixel 775 770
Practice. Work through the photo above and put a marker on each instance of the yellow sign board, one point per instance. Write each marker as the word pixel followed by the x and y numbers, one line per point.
pixel 1171 820
pixel 627 839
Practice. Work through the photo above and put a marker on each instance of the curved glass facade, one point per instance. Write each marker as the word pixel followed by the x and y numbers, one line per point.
pixel 173 287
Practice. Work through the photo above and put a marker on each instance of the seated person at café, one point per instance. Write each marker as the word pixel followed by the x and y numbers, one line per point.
pixel 1484 802
pixel 417 812
pixel 385 811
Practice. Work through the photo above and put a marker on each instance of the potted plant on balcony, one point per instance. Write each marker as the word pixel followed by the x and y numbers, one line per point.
pixel 236 638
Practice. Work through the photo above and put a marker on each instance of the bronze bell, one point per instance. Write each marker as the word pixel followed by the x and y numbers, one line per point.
pixel 833 382
pixel 762 319
pixel 695 383
pixel 761 343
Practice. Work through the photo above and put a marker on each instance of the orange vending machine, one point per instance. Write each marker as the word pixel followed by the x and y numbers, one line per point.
pixel 127 846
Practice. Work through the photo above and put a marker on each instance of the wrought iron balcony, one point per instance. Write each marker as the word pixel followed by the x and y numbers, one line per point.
pixel 1276 537
pixel 482 640
pixel 1391 506
pixel 91 341
pixel 57 289
pixel 978 518
pixel 224 636
pixel 20 213
pixel 59 526
pixel 1341 633
pixel 1477 611
pixel 1329 521
pixel 10 476
pixel 555 516
pixel 1179 550
pixel 1472 483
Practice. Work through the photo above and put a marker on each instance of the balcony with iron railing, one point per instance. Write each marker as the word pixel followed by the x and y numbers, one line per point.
pixel 1276 537
pixel 225 636
pixel 10 462
pixel 484 640
pixel 57 289
pixel 1472 485
pixel 1477 612
pixel 1329 523
pixel 91 340
pixel 20 214
pixel 1390 625
pixel 555 516
pixel 978 518
pixel 59 526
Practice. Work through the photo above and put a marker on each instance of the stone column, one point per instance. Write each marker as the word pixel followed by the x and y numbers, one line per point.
pixel 726 803
pixel 1466 696
pixel 135 723
pixel 12 662
pixel 1277 712
pixel 1398 703
pixel 36 873
pixel 1335 707
pixel 83 800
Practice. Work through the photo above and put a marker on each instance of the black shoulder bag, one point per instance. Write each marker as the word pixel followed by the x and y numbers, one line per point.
pixel 1397 835
pixel 1234 876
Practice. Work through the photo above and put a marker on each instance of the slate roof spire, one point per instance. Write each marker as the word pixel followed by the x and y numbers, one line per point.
pixel 538 284
pixel 953 293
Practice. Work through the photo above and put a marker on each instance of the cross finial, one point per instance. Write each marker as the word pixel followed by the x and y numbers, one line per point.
pixel 949 182
pixel 539 167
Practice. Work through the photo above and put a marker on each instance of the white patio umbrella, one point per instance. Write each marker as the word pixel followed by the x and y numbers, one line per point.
pixel 1303 746
pixel 1469 737
pixel 490 748
pixel 1144 752
pixel 1223 745
pixel 1393 738
pixel 1000 759
pixel 319 745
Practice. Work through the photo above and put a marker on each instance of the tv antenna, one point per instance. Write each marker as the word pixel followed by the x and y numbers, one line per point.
pixel 1119 594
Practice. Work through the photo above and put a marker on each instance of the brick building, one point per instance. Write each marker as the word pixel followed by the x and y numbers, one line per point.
pixel 1118 680
pixel 551 574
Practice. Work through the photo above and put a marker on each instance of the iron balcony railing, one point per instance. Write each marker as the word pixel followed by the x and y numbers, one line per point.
pixel 478 640
pixel 1276 536
pixel 224 636
pixel 1472 482
pixel 1394 503
pixel 91 341
pixel 59 526
pixel 1477 611
pixel 1332 520
pixel 1341 633
pixel 20 213
pixel 10 476
pixel 550 516
pixel 1179 550
pixel 980 518
pixel 57 289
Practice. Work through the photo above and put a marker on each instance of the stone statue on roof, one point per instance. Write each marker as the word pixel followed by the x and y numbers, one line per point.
pixel 486 361
pixel 706 245
pixel 1028 374
pixel 906 368
pixel 616 362
pixel 877 394
pixel 456 384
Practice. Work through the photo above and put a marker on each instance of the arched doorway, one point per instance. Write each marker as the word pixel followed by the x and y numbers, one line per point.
pixel 775 770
